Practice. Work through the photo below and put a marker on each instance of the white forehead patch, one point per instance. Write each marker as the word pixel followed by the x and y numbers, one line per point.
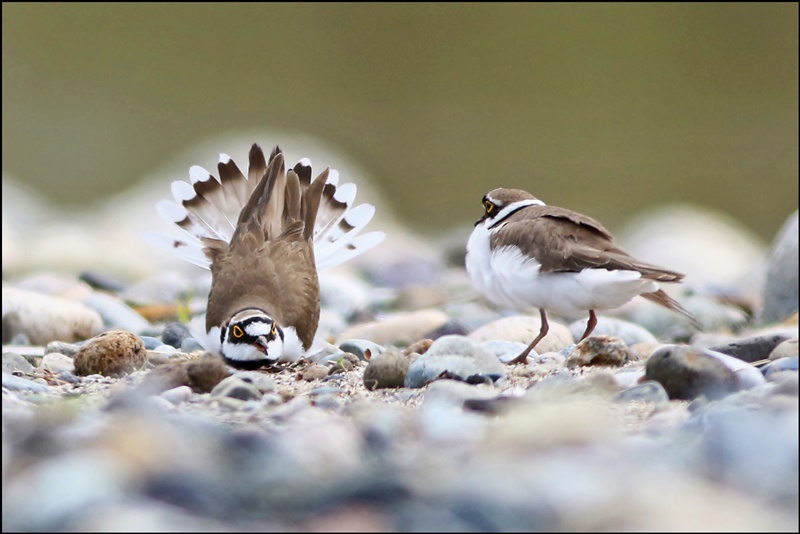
pixel 258 328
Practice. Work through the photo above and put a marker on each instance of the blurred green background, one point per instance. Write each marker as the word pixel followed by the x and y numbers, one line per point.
pixel 604 108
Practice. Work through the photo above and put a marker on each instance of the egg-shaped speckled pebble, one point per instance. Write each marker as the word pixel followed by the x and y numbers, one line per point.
pixel 112 353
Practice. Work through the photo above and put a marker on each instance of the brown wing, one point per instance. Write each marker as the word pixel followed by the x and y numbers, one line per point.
pixel 269 263
pixel 278 276
pixel 563 240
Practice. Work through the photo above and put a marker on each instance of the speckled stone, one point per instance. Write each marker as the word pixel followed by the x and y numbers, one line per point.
pixel 600 350
pixel 112 353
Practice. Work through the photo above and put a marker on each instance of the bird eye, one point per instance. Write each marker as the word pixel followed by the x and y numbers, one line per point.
pixel 274 330
pixel 237 331
pixel 489 206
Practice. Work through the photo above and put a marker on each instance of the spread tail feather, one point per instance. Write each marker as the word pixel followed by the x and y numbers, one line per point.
pixel 209 209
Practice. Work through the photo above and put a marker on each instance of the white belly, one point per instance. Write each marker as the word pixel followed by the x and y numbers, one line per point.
pixel 510 280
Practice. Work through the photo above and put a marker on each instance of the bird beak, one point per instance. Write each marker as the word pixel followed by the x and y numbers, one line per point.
pixel 480 220
pixel 261 344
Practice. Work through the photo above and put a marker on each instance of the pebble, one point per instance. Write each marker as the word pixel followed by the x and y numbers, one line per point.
pixel 313 372
pixel 524 329
pixel 18 383
pixel 629 332
pixel 780 365
pixel 190 345
pixel 686 373
pixel 649 391
pixel 236 388
pixel 752 349
pixel 784 349
pixel 399 329
pixel 167 287
pixel 177 395
pixel 15 363
pixel 102 281
pixel 780 293
pixel 262 382
pixel 112 353
pixel 116 314
pixel 359 347
pixel 600 350
pixel 57 363
pixel 56 285
pixel 175 333
pixel 150 342
pixel 454 357
pixel 45 318
pixel 387 370
pixel 200 374
pixel 505 351
pixel 67 349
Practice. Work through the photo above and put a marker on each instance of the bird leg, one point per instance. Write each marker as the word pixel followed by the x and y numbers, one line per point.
pixel 523 357
pixel 589 325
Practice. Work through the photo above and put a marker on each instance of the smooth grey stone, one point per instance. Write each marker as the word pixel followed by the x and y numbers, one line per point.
pixel 117 314
pixel 57 363
pixel 752 349
pixel 630 333
pixel 174 333
pixel 262 382
pixel 450 328
pixel 165 288
pixel 686 373
pixel 190 344
pixel 44 318
pixel 785 349
pixel 404 272
pixel 236 388
pixel 779 365
pixel 650 391
pixel 23 384
pixel 102 281
pixel 780 295
pixel 506 351
pixel 67 349
pixel 454 357
pixel 14 362
pixel 150 342
pixel 165 349
pixel 12 327
pixel 359 348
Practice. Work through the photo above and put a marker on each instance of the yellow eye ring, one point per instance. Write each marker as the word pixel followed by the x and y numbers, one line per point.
pixel 489 206
pixel 237 331
pixel 274 330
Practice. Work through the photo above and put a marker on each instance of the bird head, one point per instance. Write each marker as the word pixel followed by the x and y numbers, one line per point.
pixel 251 339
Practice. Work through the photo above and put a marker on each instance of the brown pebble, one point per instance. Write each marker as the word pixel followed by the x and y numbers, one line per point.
pixel 600 350
pixel 313 372
pixel 113 353
pixel 420 347
pixel 388 369
pixel 201 374
pixel 347 362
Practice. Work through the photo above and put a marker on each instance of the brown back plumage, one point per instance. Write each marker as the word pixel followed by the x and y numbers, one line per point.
pixel 269 263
